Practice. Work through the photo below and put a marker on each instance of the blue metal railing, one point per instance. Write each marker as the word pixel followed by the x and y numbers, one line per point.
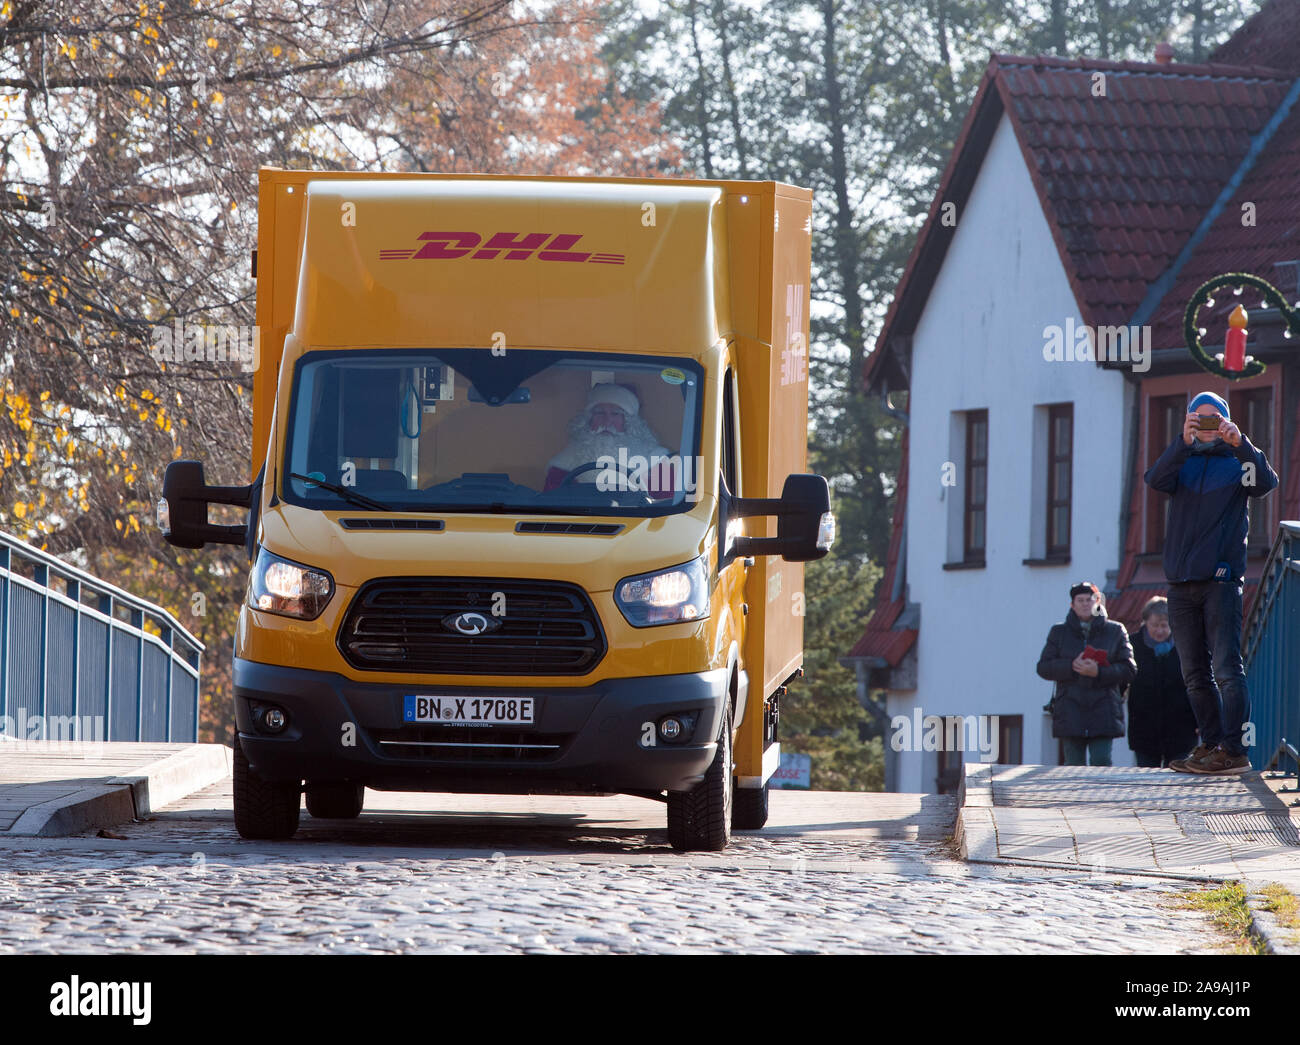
pixel 82 659
pixel 1271 651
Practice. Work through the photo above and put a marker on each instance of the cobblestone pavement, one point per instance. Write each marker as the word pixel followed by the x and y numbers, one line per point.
pixel 406 880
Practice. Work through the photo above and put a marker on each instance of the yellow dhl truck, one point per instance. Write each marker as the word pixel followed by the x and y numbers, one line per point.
pixel 530 504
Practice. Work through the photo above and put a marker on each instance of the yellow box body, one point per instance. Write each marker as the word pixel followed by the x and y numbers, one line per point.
pixel 715 271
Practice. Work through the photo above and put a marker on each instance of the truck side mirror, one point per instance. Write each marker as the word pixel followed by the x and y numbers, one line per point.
pixel 183 510
pixel 805 526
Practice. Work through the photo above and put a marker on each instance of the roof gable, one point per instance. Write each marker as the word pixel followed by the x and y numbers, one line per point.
pixel 1126 159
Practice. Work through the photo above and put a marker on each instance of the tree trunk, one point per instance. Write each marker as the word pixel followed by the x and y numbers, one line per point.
pixel 846 258
pixel 1103 28
pixel 948 84
pixel 1057 27
pixel 702 96
pixel 729 85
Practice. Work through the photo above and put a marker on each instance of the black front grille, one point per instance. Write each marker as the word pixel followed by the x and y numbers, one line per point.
pixel 539 627
pixel 470 744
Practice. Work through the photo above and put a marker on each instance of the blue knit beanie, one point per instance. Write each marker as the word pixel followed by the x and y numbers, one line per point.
pixel 1209 397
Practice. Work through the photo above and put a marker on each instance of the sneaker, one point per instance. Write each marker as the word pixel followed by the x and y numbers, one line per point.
pixel 1219 763
pixel 1179 765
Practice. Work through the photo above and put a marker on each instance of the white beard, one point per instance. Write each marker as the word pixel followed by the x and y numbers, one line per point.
pixel 585 445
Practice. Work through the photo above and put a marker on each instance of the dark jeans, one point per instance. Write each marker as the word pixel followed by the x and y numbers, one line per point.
pixel 1159 757
pixel 1096 748
pixel 1205 618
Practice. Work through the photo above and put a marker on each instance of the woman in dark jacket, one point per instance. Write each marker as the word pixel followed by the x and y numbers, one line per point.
pixel 1087 703
pixel 1161 726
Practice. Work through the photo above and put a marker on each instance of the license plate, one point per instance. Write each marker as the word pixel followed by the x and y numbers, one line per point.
pixel 469 711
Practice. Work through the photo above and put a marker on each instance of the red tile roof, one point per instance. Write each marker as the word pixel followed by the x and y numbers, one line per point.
pixel 1270 38
pixel 1273 187
pixel 1126 607
pixel 1124 178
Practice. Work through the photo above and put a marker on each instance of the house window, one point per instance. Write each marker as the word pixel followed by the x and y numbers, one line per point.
pixel 1252 410
pixel 1060 452
pixel 976 509
pixel 1011 739
pixel 948 777
pixel 1165 424
pixel 966 738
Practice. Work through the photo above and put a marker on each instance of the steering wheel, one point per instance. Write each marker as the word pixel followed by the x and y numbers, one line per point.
pixel 589 466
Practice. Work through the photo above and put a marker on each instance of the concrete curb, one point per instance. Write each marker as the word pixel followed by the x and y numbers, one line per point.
pixel 92 807
pixel 176 776
pixel 976 831
pixel 122 798
pixel 1278 938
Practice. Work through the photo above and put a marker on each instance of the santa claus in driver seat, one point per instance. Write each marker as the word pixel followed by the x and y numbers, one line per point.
pixel 611 431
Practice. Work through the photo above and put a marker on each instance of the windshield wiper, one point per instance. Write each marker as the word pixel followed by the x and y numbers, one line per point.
pixel 344 492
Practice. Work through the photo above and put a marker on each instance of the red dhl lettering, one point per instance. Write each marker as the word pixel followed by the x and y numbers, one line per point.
pixel 512 246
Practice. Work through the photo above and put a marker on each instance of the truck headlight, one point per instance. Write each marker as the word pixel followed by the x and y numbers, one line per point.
pixel 671 596
pixel 279 586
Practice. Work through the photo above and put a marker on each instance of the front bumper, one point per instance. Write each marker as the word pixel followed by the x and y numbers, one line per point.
pixel 585 739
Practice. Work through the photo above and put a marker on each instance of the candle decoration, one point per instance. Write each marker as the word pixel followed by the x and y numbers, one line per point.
pixel 1233 363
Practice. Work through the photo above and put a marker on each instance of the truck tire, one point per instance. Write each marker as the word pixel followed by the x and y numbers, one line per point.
pixel 264 809
pixel 700 819
pixel 335 801
pixel 749 808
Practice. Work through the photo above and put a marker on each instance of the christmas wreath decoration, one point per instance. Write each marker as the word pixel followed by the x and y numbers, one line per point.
pixel 1204 297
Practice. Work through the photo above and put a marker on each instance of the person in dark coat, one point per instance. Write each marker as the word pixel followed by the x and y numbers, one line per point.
pixel 1161 726
pixel 1211 474
pixel 1087 703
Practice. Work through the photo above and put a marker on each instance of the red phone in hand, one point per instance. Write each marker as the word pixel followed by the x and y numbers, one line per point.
pixel 1094 654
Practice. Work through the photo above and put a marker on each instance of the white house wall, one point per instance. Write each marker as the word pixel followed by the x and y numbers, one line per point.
pixel 979 345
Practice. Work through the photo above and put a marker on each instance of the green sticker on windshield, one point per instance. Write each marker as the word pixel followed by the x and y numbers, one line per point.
pixel 672 376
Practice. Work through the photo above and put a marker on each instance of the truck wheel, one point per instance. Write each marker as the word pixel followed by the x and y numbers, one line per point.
pixel 264 809
pixel 749 808
pixel 700 819
pixel 335 801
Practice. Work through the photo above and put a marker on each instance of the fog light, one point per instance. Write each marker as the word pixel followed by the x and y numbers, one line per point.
pixel 670 728
pixel 274 720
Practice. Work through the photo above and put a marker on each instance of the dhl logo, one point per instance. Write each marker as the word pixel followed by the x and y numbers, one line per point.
pixel 513 246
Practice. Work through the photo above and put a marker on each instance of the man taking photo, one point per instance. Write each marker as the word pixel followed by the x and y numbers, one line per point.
pixel 1210 471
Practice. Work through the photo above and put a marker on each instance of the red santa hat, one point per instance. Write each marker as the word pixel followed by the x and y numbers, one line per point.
pixel 623 398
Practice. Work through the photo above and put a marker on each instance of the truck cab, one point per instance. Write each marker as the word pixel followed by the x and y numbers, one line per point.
pixel 530 506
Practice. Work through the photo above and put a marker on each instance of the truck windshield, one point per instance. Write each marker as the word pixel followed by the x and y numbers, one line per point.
pixel 527 430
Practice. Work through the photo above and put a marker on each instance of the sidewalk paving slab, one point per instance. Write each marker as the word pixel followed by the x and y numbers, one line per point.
pixel 58 788
pixel 1136 821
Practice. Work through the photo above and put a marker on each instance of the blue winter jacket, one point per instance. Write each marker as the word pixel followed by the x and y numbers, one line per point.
pixel 1208 520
